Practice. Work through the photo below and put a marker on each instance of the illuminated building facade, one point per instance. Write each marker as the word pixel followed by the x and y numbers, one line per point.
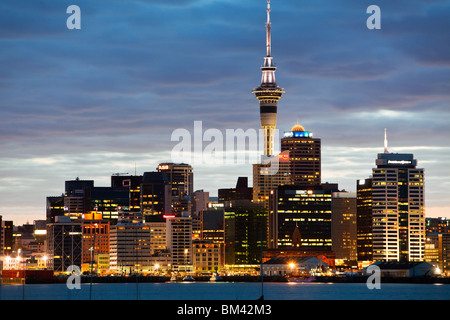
pixel 245 232
pixel 437 225
pixel 212 227
pixel 155 198
pixel 76 197
pixel 304 156
pixel 309 211
pixel 266 178
pixel 437 246
pixel 444 252
pixel 54 208
pixel 207 256
pixel 179 242
pixel 81 197
pixel 95 235
pixel 133 184
pixel 130 247
pixel 6 237
pixel 364 223
pixel 180 177
pixel 108 201
pixel 398 202
pixel 343 227
pixel 64 244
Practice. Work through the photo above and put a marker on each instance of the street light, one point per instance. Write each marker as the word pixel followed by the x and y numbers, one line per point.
pixel 45 261
pixel 292 265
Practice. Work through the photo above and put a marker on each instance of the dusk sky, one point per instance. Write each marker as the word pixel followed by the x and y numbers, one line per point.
pixel 104 99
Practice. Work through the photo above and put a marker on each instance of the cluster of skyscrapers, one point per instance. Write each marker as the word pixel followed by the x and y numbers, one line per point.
pixel 156 221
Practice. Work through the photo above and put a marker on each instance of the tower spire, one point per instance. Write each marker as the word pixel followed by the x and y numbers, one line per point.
pixel 268 32
pixel 385 142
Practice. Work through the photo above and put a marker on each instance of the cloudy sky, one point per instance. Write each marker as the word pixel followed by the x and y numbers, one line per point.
pixel 104 99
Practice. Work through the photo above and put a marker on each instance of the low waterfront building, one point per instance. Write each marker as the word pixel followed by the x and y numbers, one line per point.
pixel 326 256
pixel 295 266
pixel 405 269
pixel 437 251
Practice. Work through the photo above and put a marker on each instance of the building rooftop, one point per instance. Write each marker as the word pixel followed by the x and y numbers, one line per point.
pixel 394 265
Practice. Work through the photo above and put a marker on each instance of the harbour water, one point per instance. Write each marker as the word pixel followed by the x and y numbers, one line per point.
pixel 226 291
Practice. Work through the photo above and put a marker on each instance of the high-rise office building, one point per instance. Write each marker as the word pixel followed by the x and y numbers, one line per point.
pixel 6 239
pixel 266 179
pixel 364 223
pixel 437 225
pixel 64 244
pixel 179 242
pixel 54 208
pixel 268 176
pixel 130 247
pixel 82 197
pixel 108 201
pixel 444 252
pixel 437 251
pixel 304 156
pixel 343 225
pixel 95 239
pixel 268 93
pixel 156 197
pixel 302 217
pixel 212 224
pixel 245 232
pixel 200 202
pixel 133 184
pixel 76 197
pixel 398 202
pixel 180 177
pixel 158 234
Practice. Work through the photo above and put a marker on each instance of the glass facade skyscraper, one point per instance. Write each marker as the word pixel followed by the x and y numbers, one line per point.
pixel 398 213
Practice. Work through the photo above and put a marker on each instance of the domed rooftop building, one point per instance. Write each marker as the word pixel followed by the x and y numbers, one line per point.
pixel 297 128
pixel 304 156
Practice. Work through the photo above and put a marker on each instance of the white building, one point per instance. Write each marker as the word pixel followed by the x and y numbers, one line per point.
pixel 179 242
pixel 130 248
pixel 398 202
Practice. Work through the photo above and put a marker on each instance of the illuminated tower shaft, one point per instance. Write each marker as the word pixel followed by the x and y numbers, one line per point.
pixel 268 93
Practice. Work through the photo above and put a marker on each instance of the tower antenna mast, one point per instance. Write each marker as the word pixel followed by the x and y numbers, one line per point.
pixel 385 142
pixel 268 31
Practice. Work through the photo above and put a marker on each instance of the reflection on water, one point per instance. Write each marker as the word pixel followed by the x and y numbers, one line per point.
pixel 226 291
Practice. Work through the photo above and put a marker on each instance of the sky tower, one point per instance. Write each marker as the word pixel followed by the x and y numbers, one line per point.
pixel 268 93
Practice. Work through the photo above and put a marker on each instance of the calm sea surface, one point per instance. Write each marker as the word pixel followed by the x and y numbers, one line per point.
pixel 226 291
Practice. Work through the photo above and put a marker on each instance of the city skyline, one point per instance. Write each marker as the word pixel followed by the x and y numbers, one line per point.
pixel 104 99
